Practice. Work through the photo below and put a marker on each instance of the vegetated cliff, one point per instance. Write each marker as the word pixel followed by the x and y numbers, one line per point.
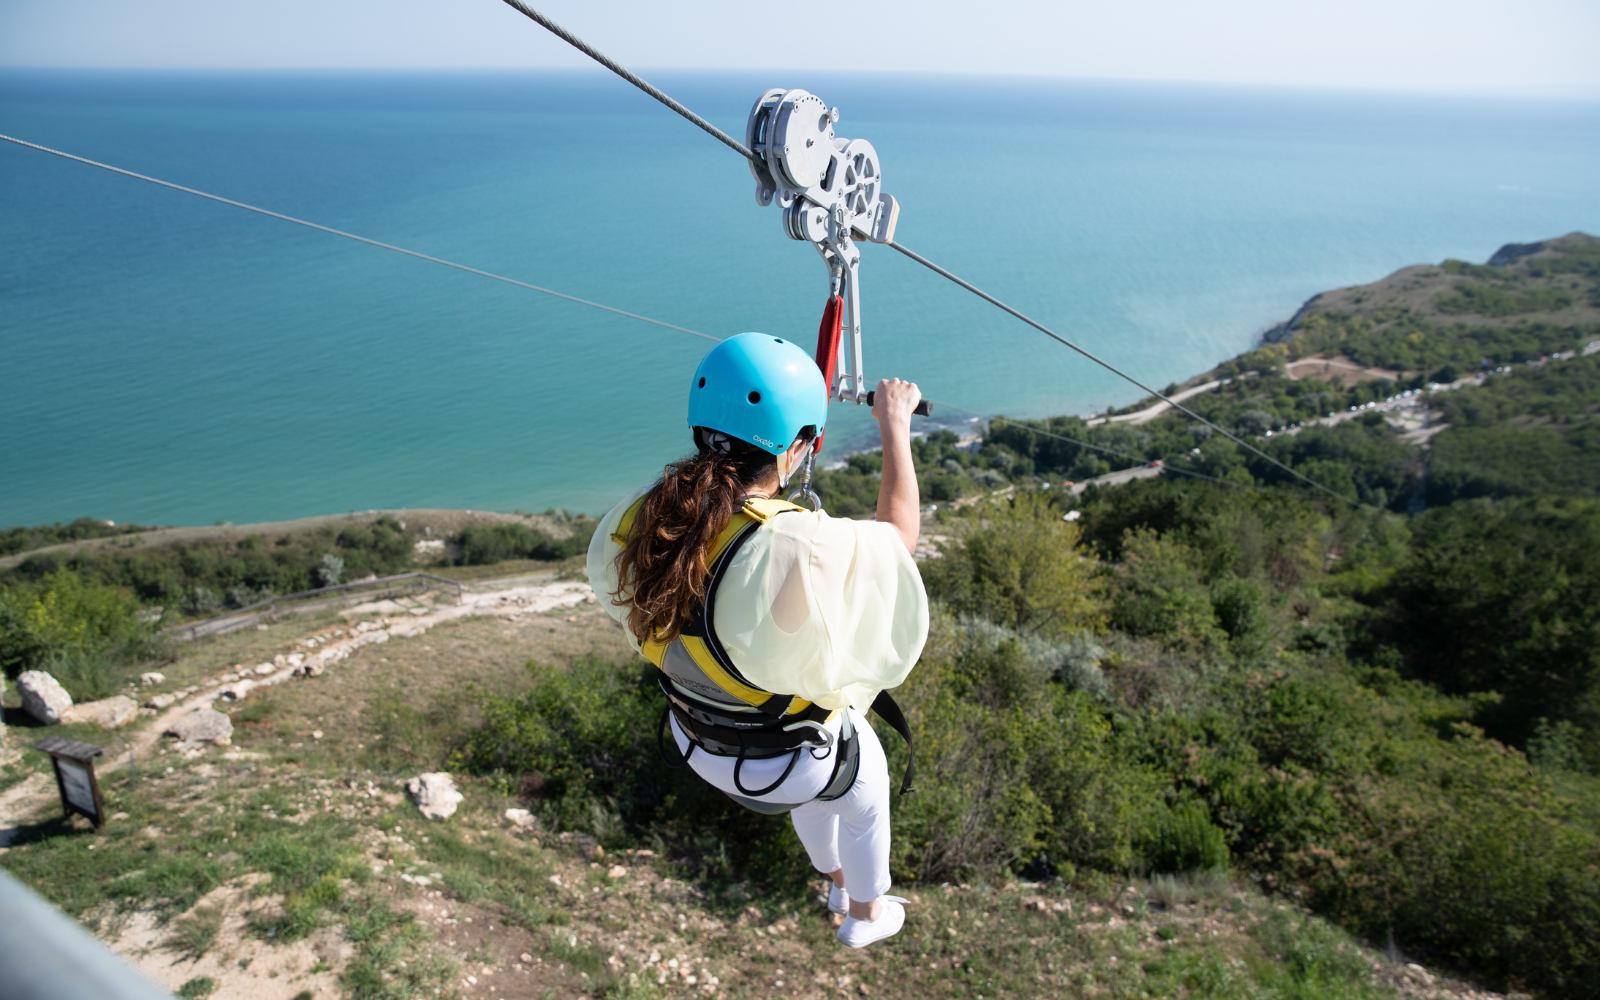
pixel 1554 281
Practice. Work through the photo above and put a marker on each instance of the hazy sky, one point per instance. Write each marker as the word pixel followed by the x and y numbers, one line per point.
pixel 1517 46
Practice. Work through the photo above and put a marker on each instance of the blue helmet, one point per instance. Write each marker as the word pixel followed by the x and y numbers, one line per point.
pixel 759 389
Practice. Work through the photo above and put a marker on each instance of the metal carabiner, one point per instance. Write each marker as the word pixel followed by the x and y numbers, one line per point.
pixel 805 492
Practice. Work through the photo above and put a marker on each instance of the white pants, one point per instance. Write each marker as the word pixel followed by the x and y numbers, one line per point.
pixel 850 832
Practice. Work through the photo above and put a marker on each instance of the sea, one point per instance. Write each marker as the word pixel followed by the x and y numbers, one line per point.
pixel 170 360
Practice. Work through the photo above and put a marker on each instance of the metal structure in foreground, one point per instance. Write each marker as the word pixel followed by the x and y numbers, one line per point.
pixel 46 955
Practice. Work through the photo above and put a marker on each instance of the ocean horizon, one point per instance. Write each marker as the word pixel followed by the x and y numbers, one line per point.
pixel 175 361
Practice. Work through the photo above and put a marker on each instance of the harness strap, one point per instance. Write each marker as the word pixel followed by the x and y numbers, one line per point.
pixel 889 711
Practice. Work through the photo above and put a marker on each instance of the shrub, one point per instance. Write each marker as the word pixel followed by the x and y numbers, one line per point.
pixel 1182 838
pixel 331 570
pixel 1237 604
pixel 1013 768
pixel 1157 592
pixel 81 633
pixel 1019 564
pixel 484 546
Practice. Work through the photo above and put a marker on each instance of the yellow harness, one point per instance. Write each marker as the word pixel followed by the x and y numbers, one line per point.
pixel 696 638
pixel 721 712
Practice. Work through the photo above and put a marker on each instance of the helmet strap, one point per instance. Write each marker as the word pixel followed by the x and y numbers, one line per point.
pixel 784 474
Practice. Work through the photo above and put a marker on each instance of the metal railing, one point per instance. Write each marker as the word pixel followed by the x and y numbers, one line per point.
pixel 266 609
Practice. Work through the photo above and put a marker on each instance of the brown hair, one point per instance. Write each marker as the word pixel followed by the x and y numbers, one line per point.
pixel 662 566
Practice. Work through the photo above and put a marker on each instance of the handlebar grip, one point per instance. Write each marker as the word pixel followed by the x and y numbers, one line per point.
pixel 924 407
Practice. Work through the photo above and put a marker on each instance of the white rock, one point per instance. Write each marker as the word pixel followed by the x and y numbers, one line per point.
pixel 153 677
pixel 108 713
pixel 206 725
pixel 523 818
pixel 295 659
pixel 365 626
pixel 436 794
pixel 161 700
pixel 238 689
pixel 44 698
pixel 263 669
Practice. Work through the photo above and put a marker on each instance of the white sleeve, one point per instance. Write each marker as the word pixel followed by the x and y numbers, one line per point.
pixel 830 609
pixel 603 562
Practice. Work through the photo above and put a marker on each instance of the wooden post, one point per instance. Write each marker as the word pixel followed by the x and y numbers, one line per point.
pixel 75 777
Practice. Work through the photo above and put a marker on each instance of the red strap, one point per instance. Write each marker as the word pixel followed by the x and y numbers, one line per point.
pixel 828 347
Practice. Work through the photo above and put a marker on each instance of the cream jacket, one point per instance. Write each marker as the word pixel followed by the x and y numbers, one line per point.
pixel 827 608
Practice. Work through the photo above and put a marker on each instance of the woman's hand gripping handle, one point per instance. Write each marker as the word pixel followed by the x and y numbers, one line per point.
pixel 899 503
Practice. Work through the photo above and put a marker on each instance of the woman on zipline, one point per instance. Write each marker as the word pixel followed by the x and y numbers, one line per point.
pixel 775 628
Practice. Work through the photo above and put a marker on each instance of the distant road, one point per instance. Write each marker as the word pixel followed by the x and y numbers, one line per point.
pixel 1152 412
pixel 1119 477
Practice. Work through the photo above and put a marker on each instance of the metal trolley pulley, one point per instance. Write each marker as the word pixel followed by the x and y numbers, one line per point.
pixel 830 190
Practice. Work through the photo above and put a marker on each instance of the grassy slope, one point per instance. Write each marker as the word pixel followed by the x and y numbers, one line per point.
pixel 247 856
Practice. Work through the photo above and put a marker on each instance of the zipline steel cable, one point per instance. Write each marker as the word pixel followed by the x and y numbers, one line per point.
pixel 562 33
pixel 358 239
pixel 569 298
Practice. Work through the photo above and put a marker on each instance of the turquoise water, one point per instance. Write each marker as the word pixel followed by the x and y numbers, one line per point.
pixel 170 360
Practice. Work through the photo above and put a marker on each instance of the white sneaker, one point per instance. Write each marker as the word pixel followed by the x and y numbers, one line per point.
pixel 838 901
pixel 855 933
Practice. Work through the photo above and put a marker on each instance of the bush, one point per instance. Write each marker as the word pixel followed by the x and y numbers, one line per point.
pixel 1157 592
pixel 586 739
pixel 1019 564
pixel 484 546
pixel 84 635
pixel 1182 839
pixel 1237 604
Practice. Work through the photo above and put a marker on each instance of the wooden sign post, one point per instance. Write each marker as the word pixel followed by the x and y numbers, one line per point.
pixel 74 763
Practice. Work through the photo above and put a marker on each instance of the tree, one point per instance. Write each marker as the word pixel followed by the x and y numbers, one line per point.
pixel 1020 565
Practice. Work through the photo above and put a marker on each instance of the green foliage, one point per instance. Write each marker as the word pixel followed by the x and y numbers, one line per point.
pixel 84 634
pixel 1013 768
pixel 199 577
pixel 586 738
pixel 309 869
pixel 1506 597
pixel 482 546
pixel 1159 593
pixel 198 988
pixel 1557 746
pixel 14 540
pixel 1182 838
pixel 1532 433
pixel 1487 300
pixel 1020 565
pixel 1237 604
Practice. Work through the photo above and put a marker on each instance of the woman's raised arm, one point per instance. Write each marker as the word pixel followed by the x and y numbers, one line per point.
pixel 899 502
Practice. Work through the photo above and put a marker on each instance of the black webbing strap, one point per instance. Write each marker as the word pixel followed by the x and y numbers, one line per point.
pixel 889 711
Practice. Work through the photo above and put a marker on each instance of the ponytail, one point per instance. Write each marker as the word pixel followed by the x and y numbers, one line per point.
pixel 662 567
